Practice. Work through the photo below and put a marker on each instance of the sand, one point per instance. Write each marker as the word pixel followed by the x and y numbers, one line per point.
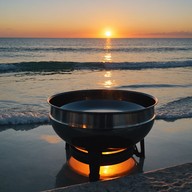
pixel 35 157
pixel 177 178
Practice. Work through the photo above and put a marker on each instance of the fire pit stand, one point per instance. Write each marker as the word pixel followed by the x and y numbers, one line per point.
pixel 102 127
pixel 94 157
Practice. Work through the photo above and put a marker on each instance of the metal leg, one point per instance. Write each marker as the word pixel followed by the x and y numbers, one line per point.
pixel 140 164
pixel 142 149
pixel 142 145
pixel 94 164
pixel 67 151
pixel 141 155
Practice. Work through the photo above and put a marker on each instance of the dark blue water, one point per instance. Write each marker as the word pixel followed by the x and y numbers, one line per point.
pixel 96 51
pixel 33 69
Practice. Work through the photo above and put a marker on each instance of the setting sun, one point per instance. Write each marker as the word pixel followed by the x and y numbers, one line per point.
pixel 108 33
pixel 94 19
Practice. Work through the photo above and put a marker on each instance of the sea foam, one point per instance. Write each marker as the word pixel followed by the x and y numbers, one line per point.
pixel 20 118
pixel 178 109
pixel 174 110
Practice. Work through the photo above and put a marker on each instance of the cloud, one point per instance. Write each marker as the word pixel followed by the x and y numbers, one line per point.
pixel 173 34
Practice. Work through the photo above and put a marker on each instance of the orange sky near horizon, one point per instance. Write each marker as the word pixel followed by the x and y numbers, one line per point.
pixel 91 19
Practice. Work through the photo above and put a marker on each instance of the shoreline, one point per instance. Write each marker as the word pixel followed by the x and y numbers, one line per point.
pixel 176 178
pixel 39 155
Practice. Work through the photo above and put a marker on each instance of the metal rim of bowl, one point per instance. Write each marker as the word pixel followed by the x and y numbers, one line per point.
pixel 88 90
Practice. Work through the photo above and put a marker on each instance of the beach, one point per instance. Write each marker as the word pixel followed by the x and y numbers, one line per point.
pixel 31 70
pixel 177 178
pixel 34 157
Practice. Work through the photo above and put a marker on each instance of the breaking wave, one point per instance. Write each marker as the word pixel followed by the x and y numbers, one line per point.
pixel 94 49
pixel 56 66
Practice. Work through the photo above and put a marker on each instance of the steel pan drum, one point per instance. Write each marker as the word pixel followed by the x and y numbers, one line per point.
pixel 102 118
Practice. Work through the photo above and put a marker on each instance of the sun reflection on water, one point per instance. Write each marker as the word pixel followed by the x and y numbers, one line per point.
pixel 107 58
pixel 109 82
pixel 108 74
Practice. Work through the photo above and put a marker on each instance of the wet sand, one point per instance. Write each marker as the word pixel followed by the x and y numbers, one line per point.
pixel 177 178
pixel 167 166
pixel 33 158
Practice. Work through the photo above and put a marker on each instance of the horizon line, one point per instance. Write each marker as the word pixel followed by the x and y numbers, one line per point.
pixel 95 37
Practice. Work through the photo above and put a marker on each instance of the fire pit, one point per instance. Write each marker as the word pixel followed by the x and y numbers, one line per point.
pixel 96 121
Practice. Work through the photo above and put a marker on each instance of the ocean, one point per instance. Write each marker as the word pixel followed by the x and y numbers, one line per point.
pixel 32 157
pixel 33 69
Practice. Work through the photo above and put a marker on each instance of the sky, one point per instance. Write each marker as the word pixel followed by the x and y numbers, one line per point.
pixel 91 19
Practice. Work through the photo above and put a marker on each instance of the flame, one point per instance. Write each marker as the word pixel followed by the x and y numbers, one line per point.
pixel 110 150
pixel 84 126
pixel 106 172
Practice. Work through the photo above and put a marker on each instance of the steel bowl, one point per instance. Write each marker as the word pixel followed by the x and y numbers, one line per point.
pixel 101 118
